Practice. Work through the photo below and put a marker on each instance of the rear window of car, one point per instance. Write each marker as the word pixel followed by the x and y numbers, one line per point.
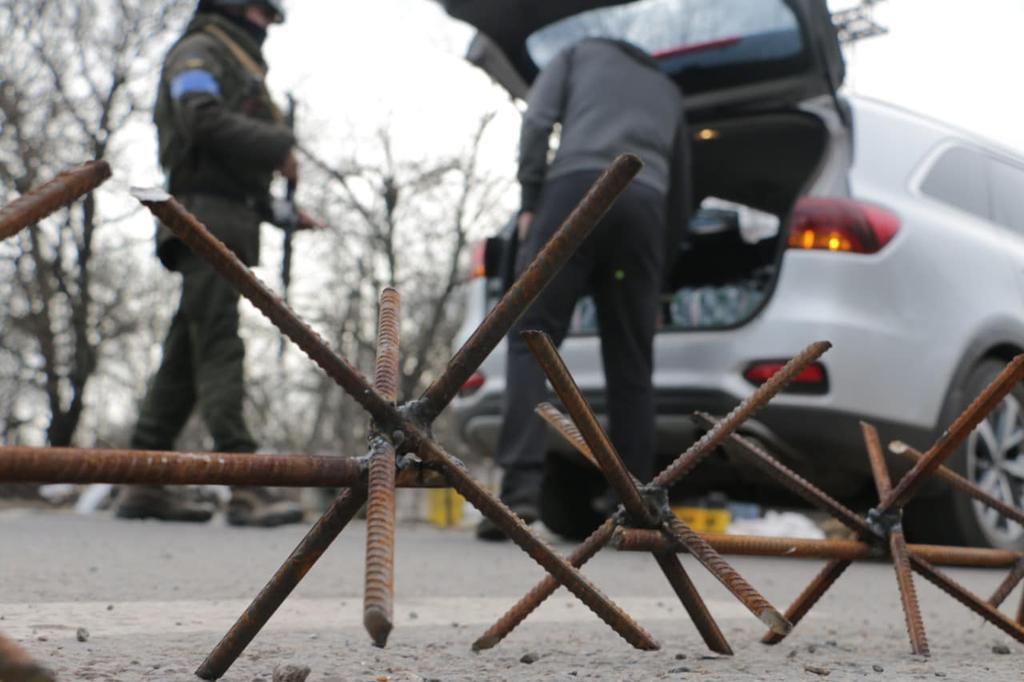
pixel 959 178
pixel 1007 188
pixel 689 36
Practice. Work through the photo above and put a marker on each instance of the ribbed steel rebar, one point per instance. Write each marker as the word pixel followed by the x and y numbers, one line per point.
pixel 74 465
pixel 693 602
pixel 897 546
pixel 727 575
pixel 908 593
pixel 966 597
pixel 955 435
pixel 792 480
pixel 387 373
pixel 1006 587
pixel 294 569
pixel 643 540
pixel 567 430
pixel 47 198
pixel 741 413
pixel 961 483
pixel 17 666
pixel 544 589
pixel 529 284
pixel 378 596
pixel 810 596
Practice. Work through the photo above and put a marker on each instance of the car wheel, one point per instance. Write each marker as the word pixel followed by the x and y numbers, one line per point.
pixel 992 458
pixel 570 485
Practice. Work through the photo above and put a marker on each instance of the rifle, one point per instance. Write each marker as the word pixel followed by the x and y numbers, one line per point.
pixel 289 224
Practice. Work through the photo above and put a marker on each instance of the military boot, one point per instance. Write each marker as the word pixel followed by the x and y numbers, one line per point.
pixel 262 507
pixel 163 503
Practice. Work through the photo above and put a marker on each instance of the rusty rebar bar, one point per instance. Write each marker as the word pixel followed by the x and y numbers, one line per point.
pixel 294 569
pixel 897 545
pixel 529 285
pixel 385 415
pixel 611 466
pixel 378 596
pixel 810 596
pixel 16 665
pixel 961 483
pixel 792 480
pixel 72 465
pixel 646 540
pixel 955 435
pixel 693 602
pixel 966 597
pixel 387 373
pixel 567 430
pixel 544 589
pixel 741 413
pixel 703 552
pixel 519 532
pixel 47 198
pixel 1011 581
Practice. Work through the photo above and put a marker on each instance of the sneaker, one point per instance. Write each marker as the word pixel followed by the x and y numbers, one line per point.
pixel 490 531
pixel 159 502
pixel 262 507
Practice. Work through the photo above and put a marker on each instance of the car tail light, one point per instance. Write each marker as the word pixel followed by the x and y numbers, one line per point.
pixel 478 259
pixel 813 379
pixel 472 385
pixel 841 225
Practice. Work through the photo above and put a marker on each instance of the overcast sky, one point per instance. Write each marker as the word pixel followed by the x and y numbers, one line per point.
pixel 356 64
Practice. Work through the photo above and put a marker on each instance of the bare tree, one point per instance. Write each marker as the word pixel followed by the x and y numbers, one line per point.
pixel 73 77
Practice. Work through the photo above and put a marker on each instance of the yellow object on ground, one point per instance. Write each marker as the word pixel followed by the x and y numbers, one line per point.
pixel 444 507
pixel 703 519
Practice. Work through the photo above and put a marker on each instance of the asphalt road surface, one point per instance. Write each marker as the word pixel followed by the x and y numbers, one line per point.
pixel 155 598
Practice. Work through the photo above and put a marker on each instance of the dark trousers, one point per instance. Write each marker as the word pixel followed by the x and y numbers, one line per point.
pixel 202 366
pixel 620 264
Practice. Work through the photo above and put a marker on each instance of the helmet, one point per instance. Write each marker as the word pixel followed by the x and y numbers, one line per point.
pixel 276 7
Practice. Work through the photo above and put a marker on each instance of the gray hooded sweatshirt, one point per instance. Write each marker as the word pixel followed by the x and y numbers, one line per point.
pixel 610 98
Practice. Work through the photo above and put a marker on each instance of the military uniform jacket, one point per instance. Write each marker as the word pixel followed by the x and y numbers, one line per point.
pixel 220 135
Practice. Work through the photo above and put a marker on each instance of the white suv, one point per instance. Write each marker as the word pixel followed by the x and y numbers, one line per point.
pixel 903 245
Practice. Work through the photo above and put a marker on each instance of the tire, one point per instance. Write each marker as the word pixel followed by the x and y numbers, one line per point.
pixel 992 457
pixel 570 485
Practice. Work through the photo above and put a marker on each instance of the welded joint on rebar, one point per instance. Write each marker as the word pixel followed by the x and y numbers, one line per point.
pixel 412 461
pixel 417 412
pixel 883 524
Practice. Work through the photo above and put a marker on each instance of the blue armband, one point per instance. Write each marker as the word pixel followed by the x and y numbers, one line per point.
pixel 194 81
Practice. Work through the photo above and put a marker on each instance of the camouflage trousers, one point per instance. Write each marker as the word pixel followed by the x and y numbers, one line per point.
pixel 202 367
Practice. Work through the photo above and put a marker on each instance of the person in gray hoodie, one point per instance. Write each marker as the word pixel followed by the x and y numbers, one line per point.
pixel 610 97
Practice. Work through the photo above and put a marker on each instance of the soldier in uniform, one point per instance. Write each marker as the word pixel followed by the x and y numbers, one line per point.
pixel 610 97
pixel 221 140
